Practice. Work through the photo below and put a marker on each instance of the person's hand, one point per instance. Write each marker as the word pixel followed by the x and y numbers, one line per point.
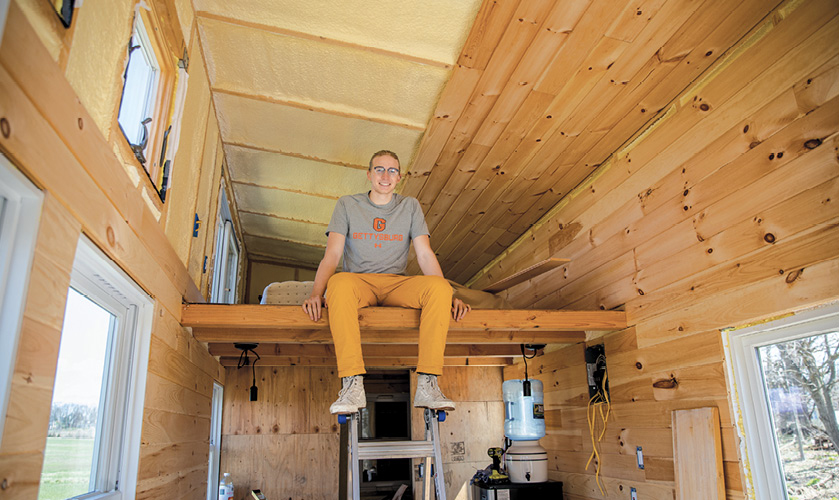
pixel 459 309
pixel 312 306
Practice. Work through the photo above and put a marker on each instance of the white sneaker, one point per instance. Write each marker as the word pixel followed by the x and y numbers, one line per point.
pixel 351 397
pixel 428 394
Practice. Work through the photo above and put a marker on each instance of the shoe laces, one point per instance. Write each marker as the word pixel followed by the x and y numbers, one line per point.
pixel 346 388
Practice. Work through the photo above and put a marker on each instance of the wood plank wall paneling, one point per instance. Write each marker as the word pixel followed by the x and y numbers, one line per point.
pixel 286 443
pixel 716 216
pixel 54 141
pixel 30 397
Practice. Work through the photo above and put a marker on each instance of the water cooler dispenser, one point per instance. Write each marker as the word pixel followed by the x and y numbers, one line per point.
pixel 524 424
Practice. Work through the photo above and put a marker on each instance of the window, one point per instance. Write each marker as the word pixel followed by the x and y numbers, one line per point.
pixel 144 109
pixel 93 441
pixel 784 377
pixel 20 210
pixel 226 260
pixel 215 442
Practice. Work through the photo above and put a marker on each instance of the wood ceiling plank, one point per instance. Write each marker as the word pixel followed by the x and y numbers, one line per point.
pixel 516 39
pixel 493 165
pixel 552 33
pixel 493 18
pixel 714 190
pixel 801 24
pixel 452 103
pixel 322 336
pixel 479 213
pixel 524 275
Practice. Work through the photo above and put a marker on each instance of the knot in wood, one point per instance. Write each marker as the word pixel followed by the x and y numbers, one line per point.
pixel 813 143
pixel 5 128
pixel 793 275
pixel 666 383
pixel 81 124
pixel 638 365
pixel 769 238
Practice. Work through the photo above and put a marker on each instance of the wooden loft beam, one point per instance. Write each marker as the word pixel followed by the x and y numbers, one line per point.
pixel 408 362
pixel 405 336
pixel 370 350
pixel 393 325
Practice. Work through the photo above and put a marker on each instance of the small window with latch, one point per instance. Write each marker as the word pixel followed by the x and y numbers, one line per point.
pixel 146 105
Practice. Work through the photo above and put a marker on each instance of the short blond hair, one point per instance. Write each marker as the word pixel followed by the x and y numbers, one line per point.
pixel 384 152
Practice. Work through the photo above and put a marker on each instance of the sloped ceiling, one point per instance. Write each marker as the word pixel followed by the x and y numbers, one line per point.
pixel 498 109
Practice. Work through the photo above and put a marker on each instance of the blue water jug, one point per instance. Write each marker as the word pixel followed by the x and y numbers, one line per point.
pixel 524 418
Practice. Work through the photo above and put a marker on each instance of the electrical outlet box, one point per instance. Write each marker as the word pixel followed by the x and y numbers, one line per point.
pixel 633 494
pixel 596 371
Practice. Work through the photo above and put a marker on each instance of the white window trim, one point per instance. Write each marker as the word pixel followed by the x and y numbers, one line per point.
pixel 4 10
pixel 215 442
pixel 119 445
pixel 19 221
pixel 150 96
pixel 758 446
pixel 226 242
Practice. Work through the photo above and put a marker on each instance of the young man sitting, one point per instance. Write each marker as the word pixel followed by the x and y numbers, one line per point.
pixel 373 231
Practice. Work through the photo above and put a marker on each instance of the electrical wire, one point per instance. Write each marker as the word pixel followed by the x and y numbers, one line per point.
pixel 595 406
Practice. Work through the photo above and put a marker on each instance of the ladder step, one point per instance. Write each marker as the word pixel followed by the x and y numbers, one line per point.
pixel 368 450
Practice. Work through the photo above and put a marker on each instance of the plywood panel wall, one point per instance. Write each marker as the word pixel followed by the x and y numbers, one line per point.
pixel 476 425
pixel 286 444
pixel 722 213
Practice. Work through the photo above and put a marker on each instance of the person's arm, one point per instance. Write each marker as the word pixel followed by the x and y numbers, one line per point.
pixel 334 249
pixel 431 267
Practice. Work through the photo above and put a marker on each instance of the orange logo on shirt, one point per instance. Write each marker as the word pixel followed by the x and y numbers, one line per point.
pixel 379 224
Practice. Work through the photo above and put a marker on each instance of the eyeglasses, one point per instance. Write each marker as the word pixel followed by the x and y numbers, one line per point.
pixel 381 170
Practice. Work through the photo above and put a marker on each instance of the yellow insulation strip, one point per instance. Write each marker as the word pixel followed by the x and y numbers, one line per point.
pixel 760 322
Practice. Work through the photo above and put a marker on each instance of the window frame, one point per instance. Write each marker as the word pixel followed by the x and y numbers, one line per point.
pixel 117 446
pixel 749 402
pixel 21 216
pixel 226 243
pixel 215 442
pixel 147 28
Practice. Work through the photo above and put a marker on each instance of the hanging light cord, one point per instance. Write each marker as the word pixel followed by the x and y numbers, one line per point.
pixel 245 361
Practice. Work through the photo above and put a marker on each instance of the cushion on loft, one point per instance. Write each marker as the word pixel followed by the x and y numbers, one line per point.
pixel 293 293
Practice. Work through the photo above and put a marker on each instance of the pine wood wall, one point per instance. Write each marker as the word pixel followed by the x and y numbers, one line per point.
pixel 59 140
pixel 722 213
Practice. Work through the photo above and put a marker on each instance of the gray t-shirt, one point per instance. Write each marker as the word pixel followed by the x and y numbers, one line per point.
pixel 378 236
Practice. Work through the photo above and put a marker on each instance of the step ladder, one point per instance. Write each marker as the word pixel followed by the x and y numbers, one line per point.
pixel 371 450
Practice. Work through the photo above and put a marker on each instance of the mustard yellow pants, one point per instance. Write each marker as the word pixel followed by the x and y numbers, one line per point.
pixel 346 293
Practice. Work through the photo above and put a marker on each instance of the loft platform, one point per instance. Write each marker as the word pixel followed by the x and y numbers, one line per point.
pixel 483 337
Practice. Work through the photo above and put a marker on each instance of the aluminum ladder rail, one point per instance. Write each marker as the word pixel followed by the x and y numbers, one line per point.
pixel 371 450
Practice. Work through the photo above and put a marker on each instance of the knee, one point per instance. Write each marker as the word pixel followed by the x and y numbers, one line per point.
pixel 340 283
pixel 439 286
